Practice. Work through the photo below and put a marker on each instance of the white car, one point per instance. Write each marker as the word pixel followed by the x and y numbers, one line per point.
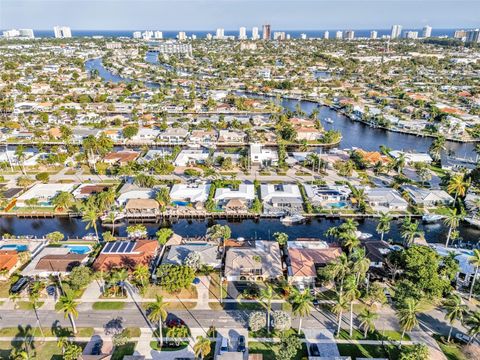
pixel 224 346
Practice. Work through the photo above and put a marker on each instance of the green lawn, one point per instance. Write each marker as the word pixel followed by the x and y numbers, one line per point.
pixel 369 351
pixel 121 351
pixel 81 332
pixel 377 335
pixel 41 351
pixel 156 346
pixel 108 305
pixel 263 333
pixel 27 305
pixel 268 350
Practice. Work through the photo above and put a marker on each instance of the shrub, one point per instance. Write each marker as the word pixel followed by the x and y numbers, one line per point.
pixel 257 320
pixel 80 277
pixel 43 177
pixel 281 320
pixel 174 278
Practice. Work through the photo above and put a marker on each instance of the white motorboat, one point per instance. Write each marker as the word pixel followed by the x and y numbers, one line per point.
pixel 293 219
pixel 363 236
pixel 431 218
pixel 329 120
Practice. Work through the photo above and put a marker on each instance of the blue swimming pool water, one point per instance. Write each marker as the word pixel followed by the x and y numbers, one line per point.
pixel 79 249
pixel 180 203
pixel 337 205
pixel 17 247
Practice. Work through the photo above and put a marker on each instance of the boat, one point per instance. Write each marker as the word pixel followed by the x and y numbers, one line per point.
pixel 293 219
pixel 329 120
pixel 431 218
pixel 363 236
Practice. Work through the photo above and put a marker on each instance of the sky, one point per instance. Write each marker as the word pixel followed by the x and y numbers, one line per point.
pixel 231 14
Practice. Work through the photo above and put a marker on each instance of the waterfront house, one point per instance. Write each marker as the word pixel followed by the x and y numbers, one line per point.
pixel 327 196
pixel 145 135
pixel 209 254
pixel 189 193
pixel 191 157
pixel 427 198
pixel 131 191
pixel 412 157
pixel 281 198
pixel 154 154
pixel 121 157
pixel 141 208
pixel 54 261
pixel 463 256
pixel 241 198
pixel 260 262
pixel 86 190
pixel 260 156
pixel 203 137
pixel 305 258
pixel 125 255
pixel 385 199
pixel 231 137
pixel 9 262
pixel 376 251
pixel 173 135
pixel 43 193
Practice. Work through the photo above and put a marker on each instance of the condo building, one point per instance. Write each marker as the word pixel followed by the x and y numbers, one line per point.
pixel 266 32
pixel 396 31
pixel 427 31
pixel 62 32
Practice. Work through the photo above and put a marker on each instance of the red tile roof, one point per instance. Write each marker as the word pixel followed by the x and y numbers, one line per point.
pixel 143 253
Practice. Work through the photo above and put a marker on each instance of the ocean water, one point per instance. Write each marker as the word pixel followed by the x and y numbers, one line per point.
pixel 171 34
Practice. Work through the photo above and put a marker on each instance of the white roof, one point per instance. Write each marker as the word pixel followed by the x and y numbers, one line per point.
pixel 412 157
pixel 268 191
pixel 245 191
pixel 190 155
pixel 193 193
pixel 45 191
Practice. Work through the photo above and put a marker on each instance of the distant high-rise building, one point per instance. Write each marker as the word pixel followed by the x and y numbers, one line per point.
pixel 20 33
pixel 427 31
pixel 158 35
pixel 326 35
pixel 410 35
pixel 220 33
pixel 266 32
pixel 339 34
pixel 279 35
pixel 255 34
pixel 460 34
pixel 396 31
pixel 62 32
pixel 182 35
pixel 373 34
pixel 473 36
pixel 147 35
pixel 349 35
pixel 209 36
pixel 194 37
pixel 303 36
pixel 242 33
pixel 137 34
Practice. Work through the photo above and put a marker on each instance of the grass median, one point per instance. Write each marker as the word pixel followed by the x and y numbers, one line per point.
pixel 108 305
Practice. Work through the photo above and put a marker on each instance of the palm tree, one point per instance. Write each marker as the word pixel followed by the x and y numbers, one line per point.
pixel 351 242
pixel 407 315
pixel 458 185
pixel 410 231
pixel 338 308
pixel 455 311
pixel 141 274
pixel 367 321
pixel 202 347
pixel 358 194
pixel 90 216
pixel 383 225
pixel 452 221
pixel 473 322
pixel 351 294
pixel 301 305
pixel 436 148
pixel 158 314
pixel 111 219
pixel 68 305
pixel 219 232
pixel 400 162
pixel 340 268
pixel 361 263
pixel 34 296
pixel 474 260
pixel 121 276
pixel 266 296
pixel 63 200
pixel 62 343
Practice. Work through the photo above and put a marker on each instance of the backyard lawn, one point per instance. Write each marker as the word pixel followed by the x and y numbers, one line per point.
pixel 268 350
pixel 152 290
pixel 369 351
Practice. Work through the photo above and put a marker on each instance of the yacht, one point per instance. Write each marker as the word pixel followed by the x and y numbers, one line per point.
pixel 431 218
pixel 293 219
pixel 329 120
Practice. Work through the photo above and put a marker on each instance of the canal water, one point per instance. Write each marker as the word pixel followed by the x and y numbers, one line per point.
pixel 249 229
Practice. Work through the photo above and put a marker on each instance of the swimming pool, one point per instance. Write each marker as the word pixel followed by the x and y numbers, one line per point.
pixel 16 247
pixel 180 203
pixel 79 249
pixel 337 205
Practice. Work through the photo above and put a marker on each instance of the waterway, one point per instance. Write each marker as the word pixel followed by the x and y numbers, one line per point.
pixel 354 134
pixel 249 229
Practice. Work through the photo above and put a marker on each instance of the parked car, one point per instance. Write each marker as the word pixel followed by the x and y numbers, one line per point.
pixel 19 285
pixel 313 349
pixel 241 344
pixel 224 346
pixel 51 290
pixel 462 337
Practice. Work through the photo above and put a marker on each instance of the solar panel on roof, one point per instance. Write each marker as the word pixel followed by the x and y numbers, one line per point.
pixel 108 247
pixel 130 247
pixel 116 246
pixel 122 247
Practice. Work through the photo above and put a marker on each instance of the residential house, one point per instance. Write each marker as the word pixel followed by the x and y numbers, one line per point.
pixel 412 157
pixel 191 157
pixel 86 190
pixel 203 137
pixel 9 262
pixel 305 258
pixel 189 193
pixel 209 254
pixel 43 193
pixel 281 198
pixel 260 156
pixel 376 251
pixel 121 157
pixel 131 191
pixel 327 196
pixel 126 255
pixel 173 135
pixel 231 137
pixel 141 208
pixel 260 262
pixel 54 261
pixel 385 199
pixel 154 154
pixel 428 198
pixel 235 199
pixel 146 135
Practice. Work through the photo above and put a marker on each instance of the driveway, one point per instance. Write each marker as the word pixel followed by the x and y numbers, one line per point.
pixel 326 349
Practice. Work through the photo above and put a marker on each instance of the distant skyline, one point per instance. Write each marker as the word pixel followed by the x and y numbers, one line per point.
pixel 198 15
